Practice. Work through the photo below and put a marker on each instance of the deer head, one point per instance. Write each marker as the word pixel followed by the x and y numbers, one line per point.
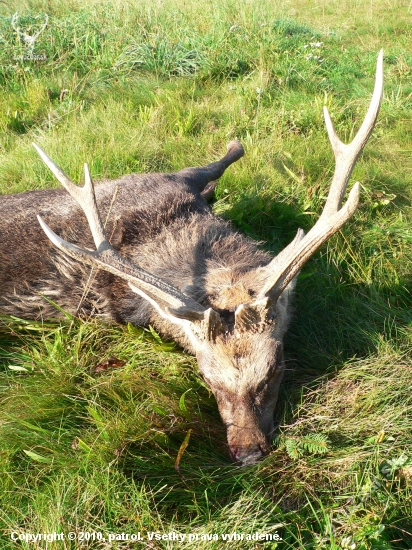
pixel 238 343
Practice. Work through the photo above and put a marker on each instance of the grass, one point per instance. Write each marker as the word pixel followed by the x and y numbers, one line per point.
pixel 86 445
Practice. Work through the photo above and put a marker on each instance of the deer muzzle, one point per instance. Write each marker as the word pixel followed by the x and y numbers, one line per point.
pixel 247 442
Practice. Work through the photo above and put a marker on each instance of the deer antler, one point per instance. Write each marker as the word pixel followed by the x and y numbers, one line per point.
pixel 287 264
pixel 166 299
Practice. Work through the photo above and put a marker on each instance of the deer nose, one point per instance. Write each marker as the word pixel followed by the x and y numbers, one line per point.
pixel 246 456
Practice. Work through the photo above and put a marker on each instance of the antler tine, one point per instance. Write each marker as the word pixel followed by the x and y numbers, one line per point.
pixel 84 196
pixel 347 154
pixel 286 265
pixel 149 286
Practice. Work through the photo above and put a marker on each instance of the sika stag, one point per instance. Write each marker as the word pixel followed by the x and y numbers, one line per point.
pixel 162 258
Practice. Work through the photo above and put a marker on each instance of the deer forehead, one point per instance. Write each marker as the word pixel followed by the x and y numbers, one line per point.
pixel 229 297
pixel 228 288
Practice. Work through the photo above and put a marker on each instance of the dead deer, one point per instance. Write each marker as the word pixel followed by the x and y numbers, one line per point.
pixel 164 259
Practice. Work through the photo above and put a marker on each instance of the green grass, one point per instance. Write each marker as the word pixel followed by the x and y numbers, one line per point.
pixel 156 87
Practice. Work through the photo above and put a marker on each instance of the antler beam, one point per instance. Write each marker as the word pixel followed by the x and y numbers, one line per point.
pixel 287 264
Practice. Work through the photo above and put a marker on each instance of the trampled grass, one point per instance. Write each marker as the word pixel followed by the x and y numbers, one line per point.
pixel 93 417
